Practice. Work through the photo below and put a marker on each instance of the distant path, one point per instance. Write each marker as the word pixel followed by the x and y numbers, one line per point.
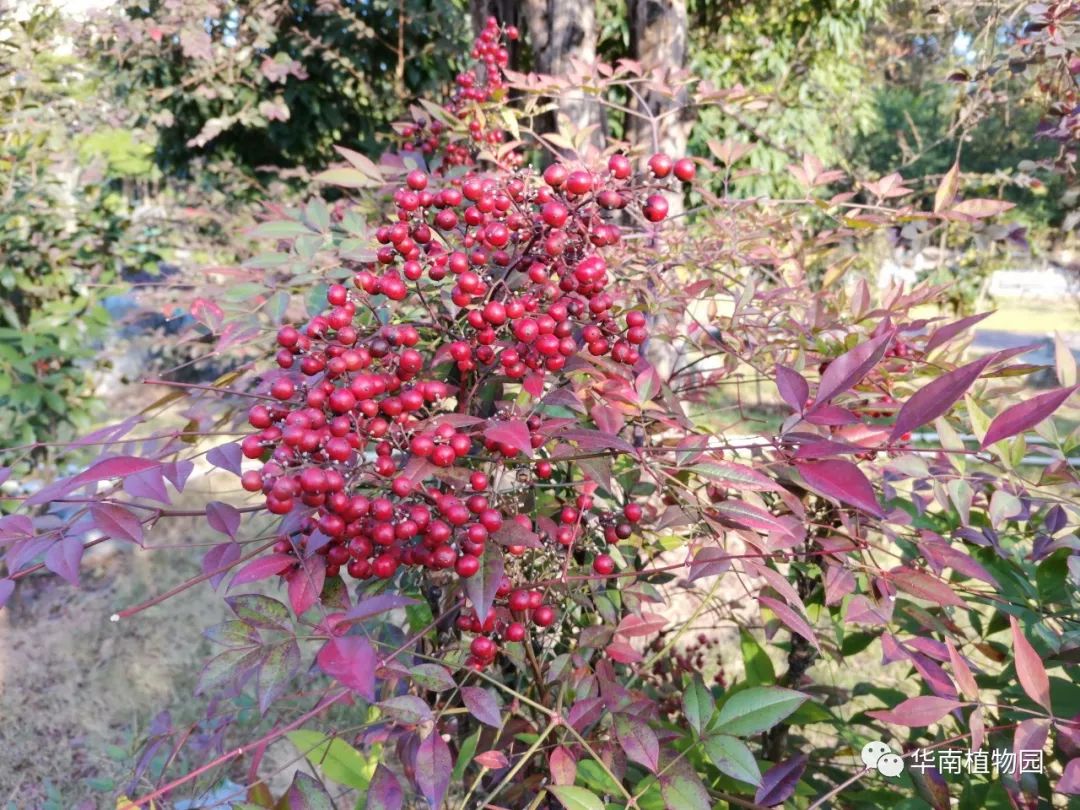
pixel 993 340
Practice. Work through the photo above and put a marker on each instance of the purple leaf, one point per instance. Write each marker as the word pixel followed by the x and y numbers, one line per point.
pixel 223 518
pixel 709 562
pixel 492 760
pixel 513 433
pixel 15 527
pixel 779 782
pixel 596 440
pixel 481 586
pixel 793 387
pixel 842 481
pixel 280 663
pixel 482 705
pixel 178 472
pixel 7 588
pixel 305 793
pixel 118 467
pixel 917 712
pixel 925 586
pixel 377 604
pixel 433 768
pixel 1070 779
pixel 850 367
pixel 638 741
pixel 1025 415
pixel 227 457
pixel 792 620
pixel 584 713
pixel 1029 667
pixel 148 484
pixel 260 611
pixel 950 330
pixel 220 558
pixel 935 398
pixel 749 516
pixel 306 584
pixel 351 661
pixel 735 476
pixel 116 522
pixel 408 709
pixel 262 568
pixel 562 765
pixel 63 558
pixel 384 792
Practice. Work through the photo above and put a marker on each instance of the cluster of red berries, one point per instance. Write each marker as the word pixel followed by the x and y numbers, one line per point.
pixel 515 609
pixel 369 427
pixel 474 87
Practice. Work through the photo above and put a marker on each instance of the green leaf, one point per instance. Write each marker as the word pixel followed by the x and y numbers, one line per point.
pixel 698 704
pixel 682 789
pixel 468 748
pixel 339 761
pixel 759 667
pixel 731 756
pixel 279 229
pixel 576 798
pixel 346 178
pixel 757 709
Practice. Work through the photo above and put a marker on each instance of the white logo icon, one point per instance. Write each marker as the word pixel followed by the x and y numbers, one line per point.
pixel 878 755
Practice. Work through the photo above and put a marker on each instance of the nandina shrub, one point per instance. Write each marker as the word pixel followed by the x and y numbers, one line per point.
pixel 489 516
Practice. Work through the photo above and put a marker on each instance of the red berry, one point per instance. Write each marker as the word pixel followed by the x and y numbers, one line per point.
pixel 543 616
pixel 604 565
pixel 656 207
pixel 467 565
pixel 684 169
pixel 660 165
pixel 515 631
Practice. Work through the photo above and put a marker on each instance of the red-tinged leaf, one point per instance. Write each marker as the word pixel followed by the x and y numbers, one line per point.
pixel 280 663
pixel 978 728
pixel 924 586
pixel 962 673
pixel 936 398
pixel 950 330
pixel 709 562
pixel 433 768
pixel 646 624
pixel 946 190
pixel 15 527
pixel 512 533
pixel 839 582
pixel 563 765
pixel 118 467
pixel 262 568
pixel 305 793
pixel 481 586
pixel 493 760
pixel 351 661
pixel 917 712
pixel 220 559
pixel 306 584
pixel 408 709
pixel 1029 667
pixel 596 440
pixel 681 788
pixel 831 416
pixel 178 472
pixel 750 517
pixel 584 713
pixel 792 620
pixel 734 476
pixel 7 588
pixel 638 741
pixel 260 611
pixel 850 367
pixel 980 209
pixel 223 518
pixel 377 605
pixel 116 522
pixel 793 388
pixel 227 457
pixel 1025 415
pixel 842 481
pixel 941 555
pixel 622 653
pixel 63 558
pixel 1069 784
pixel 512 432
pixel 384 792
pixel 482 705
pixel 779 782
pixel 1030 735
pixel 149 484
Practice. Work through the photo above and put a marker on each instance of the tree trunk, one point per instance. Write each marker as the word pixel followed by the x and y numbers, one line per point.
pixel 658 39
pixel 559 32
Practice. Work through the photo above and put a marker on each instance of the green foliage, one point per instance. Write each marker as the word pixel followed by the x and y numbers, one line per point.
pixel 276 84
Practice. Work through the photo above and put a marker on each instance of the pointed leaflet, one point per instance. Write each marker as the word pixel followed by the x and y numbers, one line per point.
pixel 779 782
pixel 1029 667
pixel 1070 779
pixel 935 398
pixel 842 481
pixel 223 517
pixel 962 673
pixel 735 476
pixel 951 330
pixel 7 587
pixel 408 709
pixel 576 798
pixel 338 760
pixel 513 433
pixel 638 741
pixel 793 388
pixel 757 709
pixel 562 765
pixel 280 663
pixel 698 704
pixel 731 756
pixel 918 711
pixel 306 583
pixel 792 620
pixel 64 556
pixel 1025 415
pixel 850 367
pixel 384 792
pixel 481 586
pixel 116 522
pixel 433 768
pixel 220 559
pixel 681 788
pixel 482 705
pixel 925 587
pixel 493 760
pixel 351 661
pixel 262 568
pixel 946 191
pixel 305 793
